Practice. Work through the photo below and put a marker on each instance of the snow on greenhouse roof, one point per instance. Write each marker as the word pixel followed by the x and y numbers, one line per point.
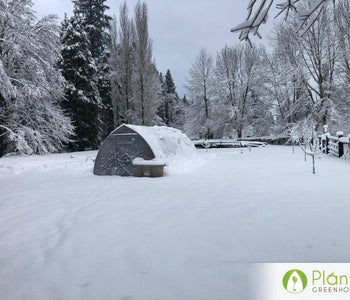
pixel 166 143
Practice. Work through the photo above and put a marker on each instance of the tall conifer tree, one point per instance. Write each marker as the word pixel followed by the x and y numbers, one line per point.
pixel 170 106
pixel 96 22
pixel 97 25
pixel 82 98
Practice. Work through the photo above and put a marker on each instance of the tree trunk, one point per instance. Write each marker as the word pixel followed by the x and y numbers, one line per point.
pixel 142 103
pixel 206 101
pixel 2 145
pixel 239 131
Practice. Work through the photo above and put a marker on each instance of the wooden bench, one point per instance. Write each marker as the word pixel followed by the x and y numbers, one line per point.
pixel 148 168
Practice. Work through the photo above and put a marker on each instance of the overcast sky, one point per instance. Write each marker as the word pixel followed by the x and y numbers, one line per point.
pixel 178 28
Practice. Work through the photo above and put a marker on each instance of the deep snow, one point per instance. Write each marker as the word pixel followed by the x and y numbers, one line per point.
pixel 67 234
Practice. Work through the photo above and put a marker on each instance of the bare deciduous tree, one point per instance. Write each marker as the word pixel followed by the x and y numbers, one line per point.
pixel 146 82
pixel 200 85
pixel 122 60
pixel 320 52
pixel 239 87
pixel 304 133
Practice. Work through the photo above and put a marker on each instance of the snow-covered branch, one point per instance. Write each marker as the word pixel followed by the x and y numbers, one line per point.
pixel 254 20
pixel 7 130
pixel 258 15
pixel 31 86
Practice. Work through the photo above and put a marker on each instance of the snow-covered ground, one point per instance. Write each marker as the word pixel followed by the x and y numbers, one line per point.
pixel 67 234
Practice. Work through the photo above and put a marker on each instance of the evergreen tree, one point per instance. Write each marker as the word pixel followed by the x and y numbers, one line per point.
pixel 172 99
pixel 169 82
pixel 170 104
pixel 162 96
pixel 96 22
pixel 97 25
pixel 82 97
pixel 104 86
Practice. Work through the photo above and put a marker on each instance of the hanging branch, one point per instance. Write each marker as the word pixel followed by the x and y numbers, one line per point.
pixel 8 130
pixel 254 20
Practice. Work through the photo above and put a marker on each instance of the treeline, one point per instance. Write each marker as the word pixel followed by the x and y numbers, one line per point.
pixel 228 96
pixel 250 91
pixel 66 87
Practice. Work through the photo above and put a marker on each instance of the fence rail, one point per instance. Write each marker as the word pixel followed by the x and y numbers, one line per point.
pixel 338 146
pixel 226 143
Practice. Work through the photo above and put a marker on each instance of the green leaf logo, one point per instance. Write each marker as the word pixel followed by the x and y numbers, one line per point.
pixel 295 281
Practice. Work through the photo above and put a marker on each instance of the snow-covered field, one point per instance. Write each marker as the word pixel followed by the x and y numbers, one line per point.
pixel 67 234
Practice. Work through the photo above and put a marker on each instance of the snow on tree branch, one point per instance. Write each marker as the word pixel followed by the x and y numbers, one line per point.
pixel 254 20
pixel 259 16
pixel 31 87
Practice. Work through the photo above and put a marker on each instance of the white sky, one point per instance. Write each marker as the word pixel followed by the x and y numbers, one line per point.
pixel 179 28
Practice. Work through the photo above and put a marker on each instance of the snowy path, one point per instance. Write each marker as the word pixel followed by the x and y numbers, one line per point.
pixel 66 234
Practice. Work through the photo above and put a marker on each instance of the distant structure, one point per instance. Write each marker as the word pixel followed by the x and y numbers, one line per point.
pixel 130 143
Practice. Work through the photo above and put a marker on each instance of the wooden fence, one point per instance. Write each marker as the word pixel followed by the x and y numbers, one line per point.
pixel 241 142
pixel 338 146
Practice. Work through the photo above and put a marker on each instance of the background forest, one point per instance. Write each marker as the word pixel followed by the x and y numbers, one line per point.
pixel 65 87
